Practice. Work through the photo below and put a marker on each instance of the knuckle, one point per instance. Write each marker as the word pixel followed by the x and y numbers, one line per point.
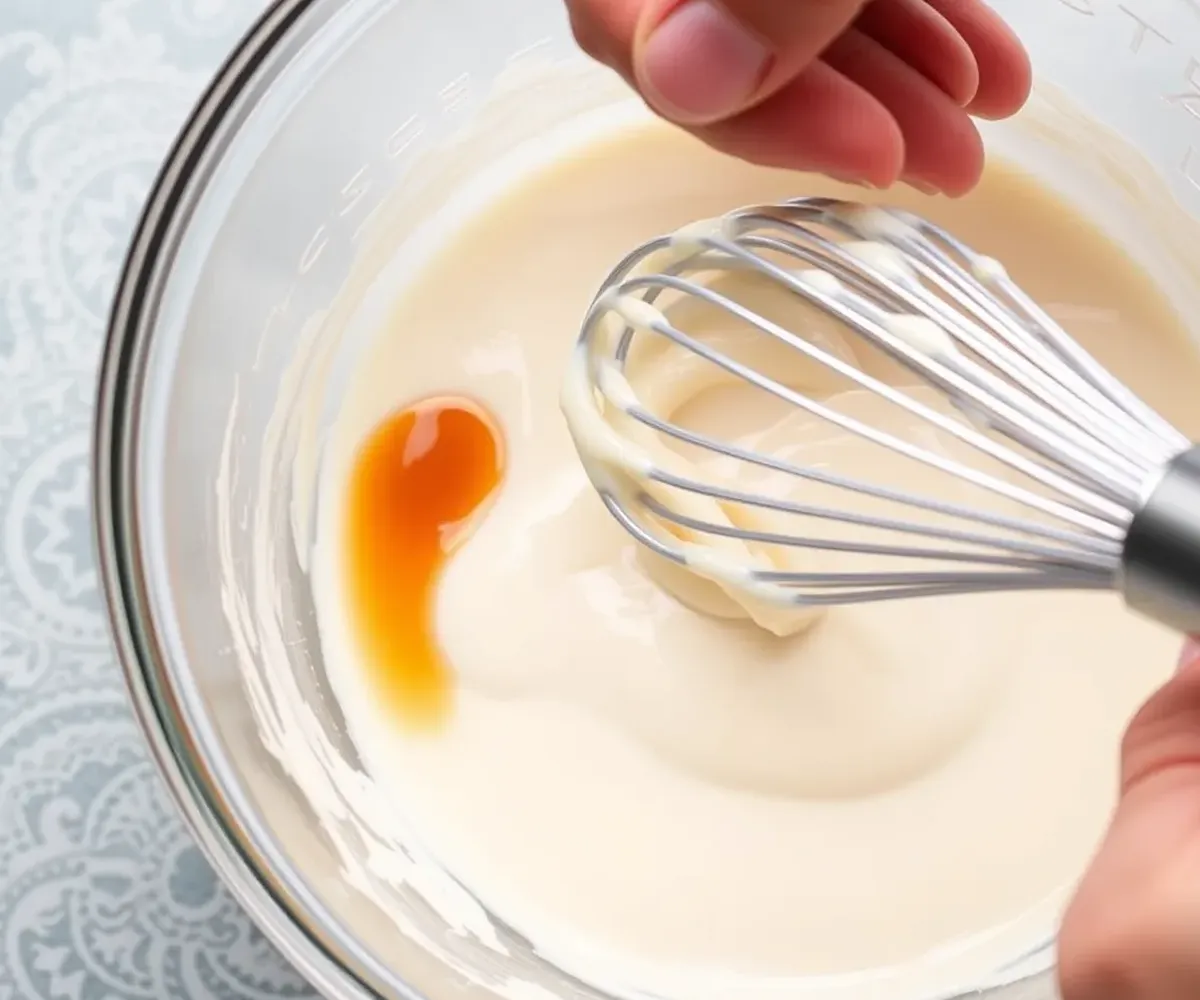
pixel 1124 950
pixel 1096 965
pixel 1095 973
pixel 588 35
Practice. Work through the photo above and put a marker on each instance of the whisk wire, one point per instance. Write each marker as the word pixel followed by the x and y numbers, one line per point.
pixel 1105 518
pixel 982 393
pixel 1105 550
pixel 1029 362
pixel 868 588
pixel 1045 553
pixel 1029 324
pixel 1082 450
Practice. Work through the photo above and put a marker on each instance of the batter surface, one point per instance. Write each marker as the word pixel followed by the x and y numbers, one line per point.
pixel 892 802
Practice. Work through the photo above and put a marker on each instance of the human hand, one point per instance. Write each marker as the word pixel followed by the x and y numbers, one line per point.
pixel 1133 930
pixel 871 92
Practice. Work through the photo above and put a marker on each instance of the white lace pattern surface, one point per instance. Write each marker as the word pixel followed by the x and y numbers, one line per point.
pixel 102 894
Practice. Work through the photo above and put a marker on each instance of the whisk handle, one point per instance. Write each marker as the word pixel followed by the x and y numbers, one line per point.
pixel 1161 559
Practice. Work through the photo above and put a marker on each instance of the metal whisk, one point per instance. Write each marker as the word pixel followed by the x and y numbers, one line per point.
pixel 1096 490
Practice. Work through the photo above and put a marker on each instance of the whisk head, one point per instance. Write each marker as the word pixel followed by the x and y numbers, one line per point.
pixel 1035 459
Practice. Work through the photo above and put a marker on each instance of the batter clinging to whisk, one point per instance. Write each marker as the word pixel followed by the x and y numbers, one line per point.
pixel 879 92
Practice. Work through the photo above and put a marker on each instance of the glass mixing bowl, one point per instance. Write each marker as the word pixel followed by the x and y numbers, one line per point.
pixel 204 455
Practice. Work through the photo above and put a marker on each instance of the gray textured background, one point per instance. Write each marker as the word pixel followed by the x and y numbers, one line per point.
pixel 102 895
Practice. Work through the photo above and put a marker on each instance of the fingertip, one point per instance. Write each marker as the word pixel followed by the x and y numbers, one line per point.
pixel 943 149
pixel 960 171
pixel 1005 71
pixel 819 122
pixel 1005 91
pixel 954 173
pixel 923 37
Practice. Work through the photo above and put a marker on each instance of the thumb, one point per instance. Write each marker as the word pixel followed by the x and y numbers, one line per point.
pixel 1130 932
pixel 702 61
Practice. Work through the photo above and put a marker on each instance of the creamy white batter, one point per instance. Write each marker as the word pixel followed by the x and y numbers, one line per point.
pixel 887 805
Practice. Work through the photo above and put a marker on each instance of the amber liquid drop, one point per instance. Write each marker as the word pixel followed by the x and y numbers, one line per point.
pixel 417 480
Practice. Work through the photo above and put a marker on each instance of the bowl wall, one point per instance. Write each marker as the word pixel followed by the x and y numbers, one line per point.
pixel 326 143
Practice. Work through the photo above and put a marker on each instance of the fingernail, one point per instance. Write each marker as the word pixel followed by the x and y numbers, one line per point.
pixel 923 187
pixel 854 181
pixel 1191 654
pixel 701 65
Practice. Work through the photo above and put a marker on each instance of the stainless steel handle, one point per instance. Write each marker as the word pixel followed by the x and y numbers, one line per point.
pixel 1161 561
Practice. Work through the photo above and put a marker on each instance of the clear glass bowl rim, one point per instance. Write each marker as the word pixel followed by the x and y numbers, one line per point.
pixel 240 850
pixel 295 922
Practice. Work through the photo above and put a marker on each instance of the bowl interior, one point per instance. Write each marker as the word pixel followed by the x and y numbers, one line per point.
pixel 336 135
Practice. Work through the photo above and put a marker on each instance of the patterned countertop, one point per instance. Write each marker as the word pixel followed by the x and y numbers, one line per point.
pixel 102 895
